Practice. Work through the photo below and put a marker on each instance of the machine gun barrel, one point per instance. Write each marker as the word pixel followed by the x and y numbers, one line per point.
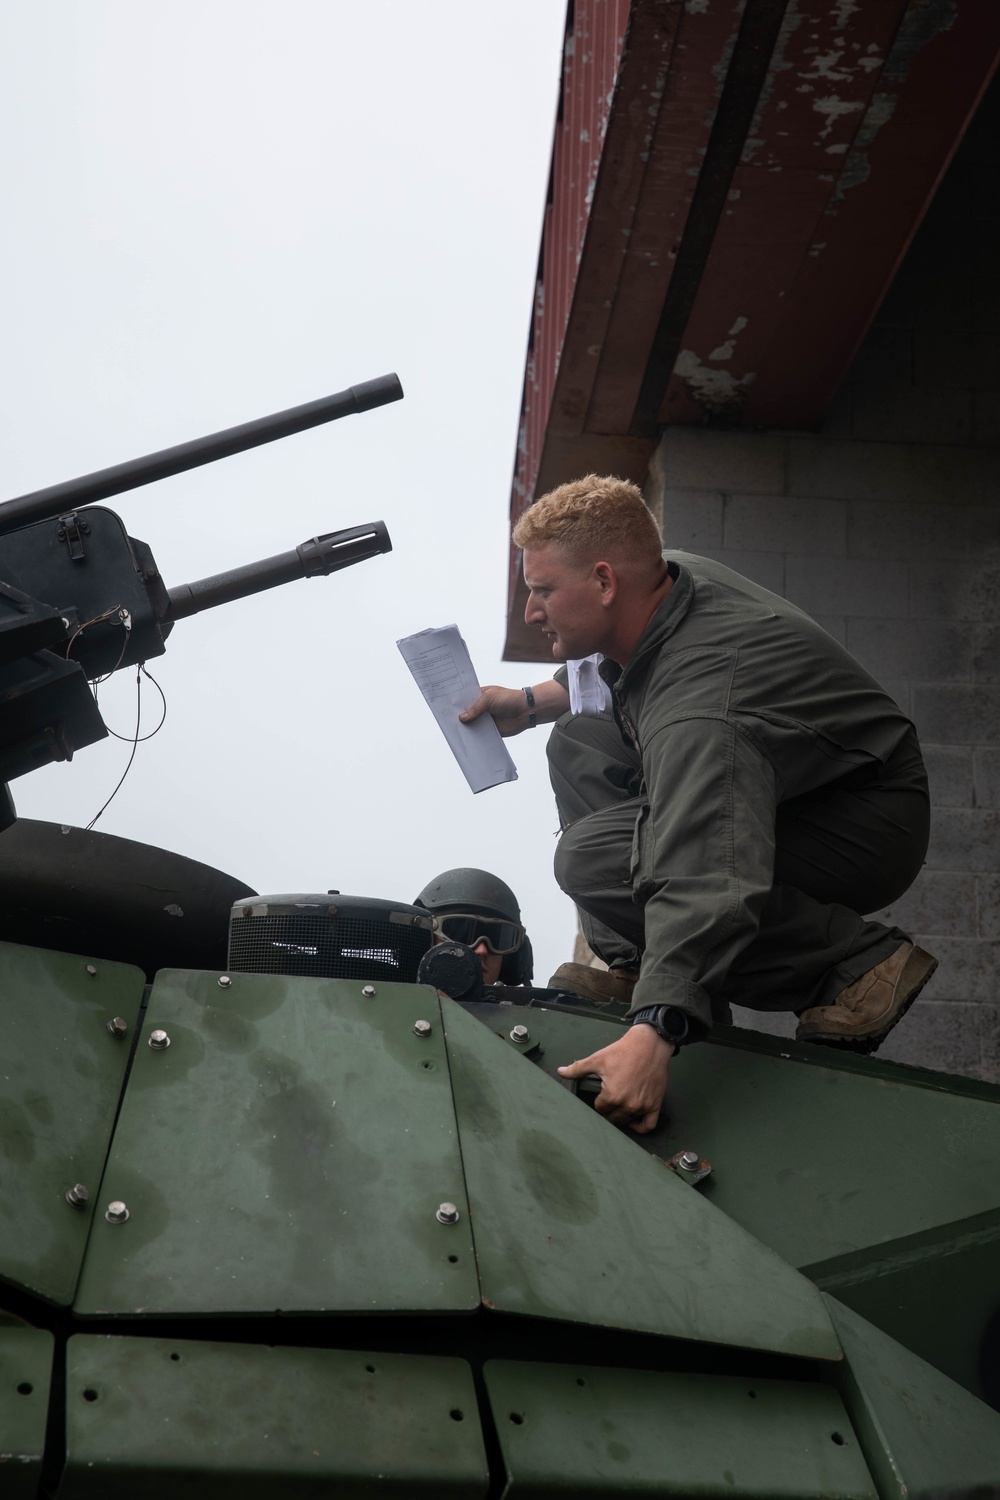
pixel 58 499
pixel 321 555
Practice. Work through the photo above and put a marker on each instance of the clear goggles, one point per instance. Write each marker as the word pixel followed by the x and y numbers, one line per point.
pixel 499 935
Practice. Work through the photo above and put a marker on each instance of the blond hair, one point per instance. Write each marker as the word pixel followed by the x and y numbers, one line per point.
pixel 593 518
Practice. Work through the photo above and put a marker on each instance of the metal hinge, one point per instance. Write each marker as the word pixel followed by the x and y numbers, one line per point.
pixel 72 530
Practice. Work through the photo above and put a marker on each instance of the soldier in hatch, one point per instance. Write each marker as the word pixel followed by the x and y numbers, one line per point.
pixel 476 908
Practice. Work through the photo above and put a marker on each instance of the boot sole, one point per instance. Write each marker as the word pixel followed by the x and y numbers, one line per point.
pixel 926 964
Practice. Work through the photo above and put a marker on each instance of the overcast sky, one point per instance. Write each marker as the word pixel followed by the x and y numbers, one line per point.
pixel 217 209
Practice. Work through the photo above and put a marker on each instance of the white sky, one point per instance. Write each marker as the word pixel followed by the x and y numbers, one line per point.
pixel 216 209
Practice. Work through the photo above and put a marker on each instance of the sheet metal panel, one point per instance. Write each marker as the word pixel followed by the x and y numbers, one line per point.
pixel 578 1430
pixel 157 1418
pixel 25 1381
pixel 573 1222
pixel 61 1074
pixel 287 1153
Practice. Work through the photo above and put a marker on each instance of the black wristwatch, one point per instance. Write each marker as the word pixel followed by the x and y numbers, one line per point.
pixel 667 1021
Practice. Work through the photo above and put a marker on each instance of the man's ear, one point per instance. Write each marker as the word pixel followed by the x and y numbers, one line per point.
pixel 607 580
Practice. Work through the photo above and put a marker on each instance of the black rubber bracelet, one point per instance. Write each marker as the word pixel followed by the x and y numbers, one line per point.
pixel 529 694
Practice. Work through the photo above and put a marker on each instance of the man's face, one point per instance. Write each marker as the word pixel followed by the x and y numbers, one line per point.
pixel 564 598
pixel 491 963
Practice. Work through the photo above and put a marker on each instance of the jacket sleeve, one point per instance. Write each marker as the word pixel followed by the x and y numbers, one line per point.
pixel 702 859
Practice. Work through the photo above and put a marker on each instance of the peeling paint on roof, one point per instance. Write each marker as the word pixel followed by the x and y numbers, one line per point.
pixel 834 108
pixel 716 390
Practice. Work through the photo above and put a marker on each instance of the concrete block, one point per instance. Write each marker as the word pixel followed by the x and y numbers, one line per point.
pixel 849 585
pixel 931 1035
pixel 692 519
pixel 698 458
pixel 988 906
pixel 955 589
pixel 986 417
pixel 765 568
pixel 985 298
pixel 654 486
pixel 863 471
pixel 901 305
pixel 984 641
pixel 890 530
pixel 785 524
pixel 837 418
pixel 952 204
pixel 892 471
pixel 901 693
pixel 948 358
pixel 770 1022
pixel 884 359
pixel 954 713
pixel 937 903
pixel 937 296
pixel 949 772
pixel 986 778
pixel 911 414
pixel 989 1043
pixel 985 248
pixel 967 970
pixel 925 649
pixel 966 839
pixel 982 474
pixel 835 625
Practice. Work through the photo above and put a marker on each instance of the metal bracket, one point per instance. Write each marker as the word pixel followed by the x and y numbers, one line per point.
pixel 72 530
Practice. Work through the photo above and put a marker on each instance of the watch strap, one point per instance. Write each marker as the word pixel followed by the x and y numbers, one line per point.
pixel 666 1020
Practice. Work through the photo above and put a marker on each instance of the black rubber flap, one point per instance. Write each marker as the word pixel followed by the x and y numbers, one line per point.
pixel 79 891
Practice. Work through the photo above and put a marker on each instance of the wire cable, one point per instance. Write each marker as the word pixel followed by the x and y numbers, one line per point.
pixel 136 739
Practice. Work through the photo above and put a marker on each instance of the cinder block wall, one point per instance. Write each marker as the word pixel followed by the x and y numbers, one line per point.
pixel 886 527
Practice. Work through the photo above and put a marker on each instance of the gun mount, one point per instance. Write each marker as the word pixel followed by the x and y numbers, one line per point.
pixel 80 598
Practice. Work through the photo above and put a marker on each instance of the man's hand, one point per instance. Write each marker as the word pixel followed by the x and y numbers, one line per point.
pixel 633 1074
pixel 509 706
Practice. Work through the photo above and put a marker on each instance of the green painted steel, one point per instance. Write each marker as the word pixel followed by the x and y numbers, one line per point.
pixel 159 1417
pixel 25 1377
pixel 573 1221
pixel 580 1430
pixel 869 1177
pixel 816 1156
pixel 61 1075
pixel 938 1293
pixel 287 1152
pixel 925 1436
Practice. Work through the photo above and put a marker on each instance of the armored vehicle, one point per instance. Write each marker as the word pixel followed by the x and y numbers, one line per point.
pixel 293 1206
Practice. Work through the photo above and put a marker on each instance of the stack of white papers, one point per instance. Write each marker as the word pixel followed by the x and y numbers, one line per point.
pixel 442 669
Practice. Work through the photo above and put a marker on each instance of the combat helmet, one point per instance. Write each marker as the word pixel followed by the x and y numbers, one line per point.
pixel 482 894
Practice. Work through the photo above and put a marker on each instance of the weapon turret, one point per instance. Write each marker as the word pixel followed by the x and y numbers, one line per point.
pixel 79 598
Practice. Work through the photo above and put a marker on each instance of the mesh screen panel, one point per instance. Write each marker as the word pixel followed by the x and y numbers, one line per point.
pixel 352 939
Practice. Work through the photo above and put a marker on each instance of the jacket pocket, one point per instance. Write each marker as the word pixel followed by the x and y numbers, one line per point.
pixel 640 873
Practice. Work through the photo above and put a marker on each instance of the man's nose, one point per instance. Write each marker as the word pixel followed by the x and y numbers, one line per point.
pixel 481 948
pixel 532 613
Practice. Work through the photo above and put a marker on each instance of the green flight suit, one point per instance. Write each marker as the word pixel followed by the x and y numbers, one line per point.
pixel 760 792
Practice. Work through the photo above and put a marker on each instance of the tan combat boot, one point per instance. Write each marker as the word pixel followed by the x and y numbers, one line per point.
pixel 611 987
pixel 862 1016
